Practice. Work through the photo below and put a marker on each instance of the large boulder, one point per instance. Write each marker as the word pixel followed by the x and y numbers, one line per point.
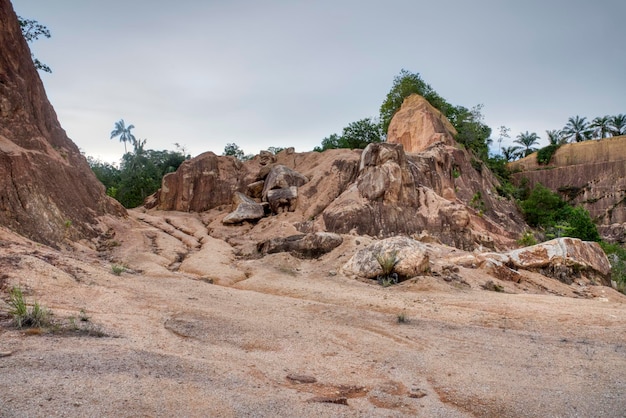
pixel 561 258
pixel 247 209
pixel 202 183
pixel 310 245
pixel 47 190
pixel 417 125
pixel 411 255
pixel 282 177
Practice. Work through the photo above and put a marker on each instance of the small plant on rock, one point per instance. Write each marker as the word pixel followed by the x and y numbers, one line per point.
pixel 388 263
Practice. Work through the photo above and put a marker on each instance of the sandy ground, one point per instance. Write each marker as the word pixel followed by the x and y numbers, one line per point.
pixel 199 327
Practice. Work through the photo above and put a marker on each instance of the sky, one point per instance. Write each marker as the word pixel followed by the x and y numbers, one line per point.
pixel 288 73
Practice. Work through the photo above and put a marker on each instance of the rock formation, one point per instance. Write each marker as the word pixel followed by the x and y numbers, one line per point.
pixel 417 125
pixel 47 190
pixel 442 191
pixel 589 173
pixel 561 258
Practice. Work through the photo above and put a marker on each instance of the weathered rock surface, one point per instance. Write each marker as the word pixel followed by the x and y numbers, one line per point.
pixel 561 258
pixel 412 256
pixel 47 190
pixel 306 245
pixel 282 200
pixel 417 125
pixel 282 177
pixel 390 197
pixel 199 184
pixel 589 173
pixel 246 210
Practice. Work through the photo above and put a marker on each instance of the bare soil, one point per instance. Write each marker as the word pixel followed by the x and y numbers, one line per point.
pixel 199 325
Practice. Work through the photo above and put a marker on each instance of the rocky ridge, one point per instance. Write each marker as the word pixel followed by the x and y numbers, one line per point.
pixel 47 190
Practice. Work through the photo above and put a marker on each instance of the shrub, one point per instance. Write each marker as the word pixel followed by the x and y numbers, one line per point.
pixel 617 257
pixel 117 269
pixel 544 155
pixel 527 239
pixel 35 317
pixel 387 263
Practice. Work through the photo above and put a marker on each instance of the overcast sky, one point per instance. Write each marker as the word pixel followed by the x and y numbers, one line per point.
pixel 289 73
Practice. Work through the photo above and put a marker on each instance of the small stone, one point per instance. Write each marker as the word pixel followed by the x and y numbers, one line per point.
pixel 301 378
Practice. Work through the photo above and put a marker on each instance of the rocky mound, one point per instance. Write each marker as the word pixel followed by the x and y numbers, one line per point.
pixel 382 191
pixel 47 190
pixel 589 173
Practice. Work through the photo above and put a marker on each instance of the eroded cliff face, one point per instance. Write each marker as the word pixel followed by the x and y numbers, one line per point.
pixel 47 190
pixel 591 174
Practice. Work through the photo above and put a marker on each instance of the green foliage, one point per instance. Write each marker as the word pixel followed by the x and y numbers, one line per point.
pixel 544 208
pixel 617 257
pixel 139 175
pixel 32 30
pixel 405 84
pixel 387 263
pixel 122 131
pixel 527 140
pixel 577 129
pixel 22 316
pixel 357 135
pixel 233 150
pixel 117 269
pixel 472 133
pixel 527 239
pixel 544 155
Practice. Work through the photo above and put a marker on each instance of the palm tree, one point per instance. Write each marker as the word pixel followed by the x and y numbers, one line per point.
pixel 527 140
pixel 556 137
pixel 618 125
pixel 123 131
pixel 601 126
pixel 577 129
pixel 511 153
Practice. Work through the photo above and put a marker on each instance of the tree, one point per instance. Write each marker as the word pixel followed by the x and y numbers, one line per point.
pixel 356 135
pixel 618 125
pixel 527 140
pixel 471 131
pixel 577 129
pixel 405 84
pixel 601 126
pixel 233 150
pixel 512 153
pixel 556 137
pixel 32 30
pixel 123 132
pixel 503 133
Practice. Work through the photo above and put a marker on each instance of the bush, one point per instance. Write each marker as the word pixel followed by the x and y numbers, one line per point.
pixel 617 257
pixel 527 239
pixel 35 317
pixel 545 209
pixel 544 155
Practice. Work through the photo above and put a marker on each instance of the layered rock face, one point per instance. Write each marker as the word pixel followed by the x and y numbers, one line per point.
pixel 591 174
pixel 47 190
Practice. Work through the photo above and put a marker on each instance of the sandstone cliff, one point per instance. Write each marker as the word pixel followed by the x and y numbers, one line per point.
pixel 591 174
pixel 47 190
